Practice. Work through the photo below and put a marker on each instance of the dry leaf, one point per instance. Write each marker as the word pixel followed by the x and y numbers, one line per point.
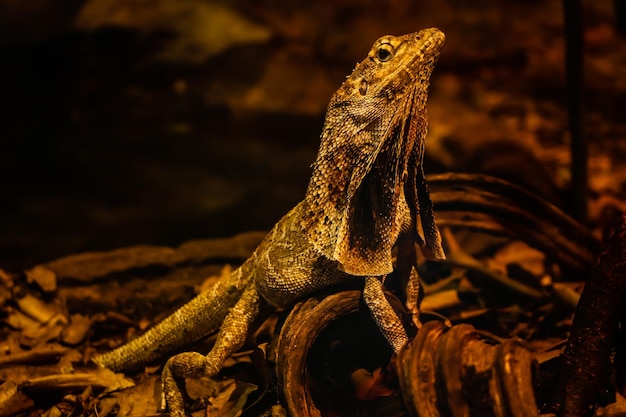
pixel 616 409
pixel 38 354
pixel 36 308
pixel 370 385
pixel 19 321
pixel 44 277
pixel 53 412
pixel 77 329
pixel 143 399
pixel 517 252
pixel 35 335
pixel 6 283
pixel 230 400
pixel 13 400
pixel 113 381
pixel 440 300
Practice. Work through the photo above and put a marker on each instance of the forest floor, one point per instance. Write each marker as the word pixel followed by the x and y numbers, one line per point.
pixel 126 125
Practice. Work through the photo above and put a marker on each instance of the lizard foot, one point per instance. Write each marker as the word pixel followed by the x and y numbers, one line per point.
pixel 177 368
pixel 230 338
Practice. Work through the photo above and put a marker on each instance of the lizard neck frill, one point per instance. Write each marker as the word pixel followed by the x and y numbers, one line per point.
pixel 357 202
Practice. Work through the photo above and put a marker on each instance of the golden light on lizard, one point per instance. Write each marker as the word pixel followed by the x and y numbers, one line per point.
pixel 366 192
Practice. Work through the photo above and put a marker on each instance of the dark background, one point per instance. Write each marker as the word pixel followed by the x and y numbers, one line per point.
pixel 126 122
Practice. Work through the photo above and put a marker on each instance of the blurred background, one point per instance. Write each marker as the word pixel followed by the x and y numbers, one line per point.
pixel 129 122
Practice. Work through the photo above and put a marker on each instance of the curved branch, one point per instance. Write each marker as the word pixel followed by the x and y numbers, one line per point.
pixel 496 206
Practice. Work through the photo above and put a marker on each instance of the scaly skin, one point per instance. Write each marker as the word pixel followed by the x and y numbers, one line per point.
pixel 366 191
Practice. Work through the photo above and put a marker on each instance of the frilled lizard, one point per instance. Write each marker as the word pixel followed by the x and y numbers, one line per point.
pixel 367 191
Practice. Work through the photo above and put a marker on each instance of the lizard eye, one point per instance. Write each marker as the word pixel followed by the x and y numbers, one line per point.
pixel 384 52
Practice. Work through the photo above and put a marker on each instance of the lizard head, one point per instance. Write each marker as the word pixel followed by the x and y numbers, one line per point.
pixel 367 184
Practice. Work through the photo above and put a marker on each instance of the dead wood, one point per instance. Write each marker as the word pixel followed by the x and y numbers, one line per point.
pixel 587 362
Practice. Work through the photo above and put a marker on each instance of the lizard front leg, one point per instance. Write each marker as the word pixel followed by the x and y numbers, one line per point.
pixel 385 317
pixel 230 338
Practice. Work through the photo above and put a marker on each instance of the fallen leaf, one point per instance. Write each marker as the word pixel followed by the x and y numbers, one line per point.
pixel 77 329
pixel 229 401
pixel 6 283
pixel 35 335
pixel 53 411
pixel 45 278
pixel 370 385
pixel 143 399
pixel 41 353
pixel 13 400
pixel 440 300
pixel 616 409
pixel 37 308
pixel 113 381
pixel 19 321
pixel 519 253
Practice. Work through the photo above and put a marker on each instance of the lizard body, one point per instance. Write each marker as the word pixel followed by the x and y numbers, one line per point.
pixel 367 190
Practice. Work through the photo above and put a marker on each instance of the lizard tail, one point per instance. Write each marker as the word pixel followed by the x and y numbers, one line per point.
pixel 200 317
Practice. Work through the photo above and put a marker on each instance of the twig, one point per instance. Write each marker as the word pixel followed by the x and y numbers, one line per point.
pixel 458 257
pixel 496 206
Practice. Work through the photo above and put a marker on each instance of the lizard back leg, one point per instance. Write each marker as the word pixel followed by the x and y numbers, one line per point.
pixel 230 338
pixel 207 309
